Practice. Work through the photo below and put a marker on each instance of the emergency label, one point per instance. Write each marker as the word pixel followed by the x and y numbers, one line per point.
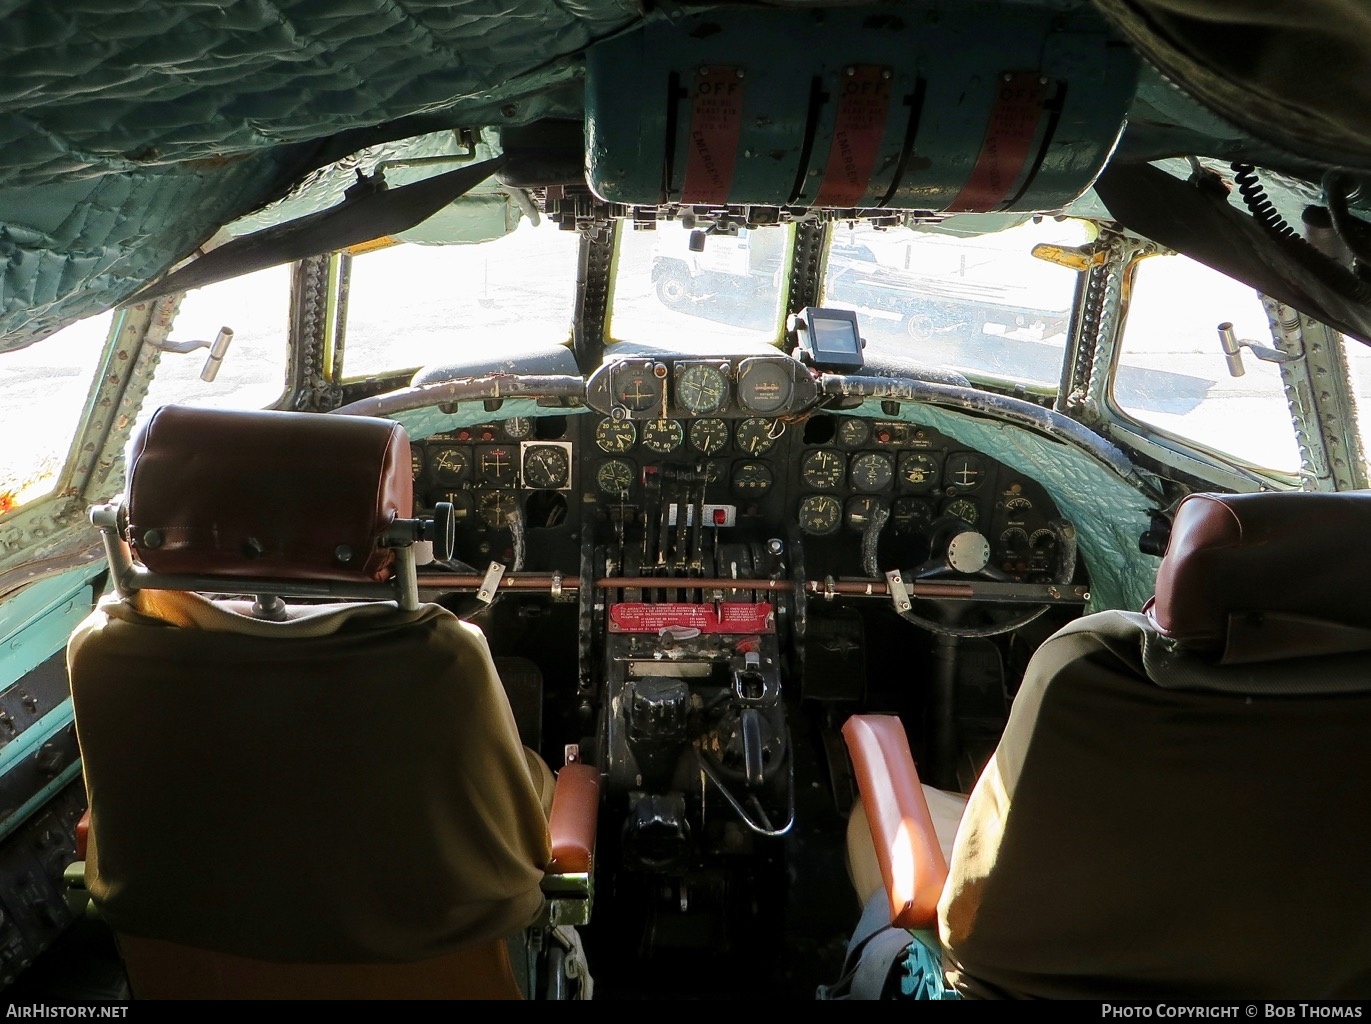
pixel 720 617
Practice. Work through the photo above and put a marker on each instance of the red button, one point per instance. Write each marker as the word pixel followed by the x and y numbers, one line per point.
pixel 883 437
pixel 464 435
pixel 720 517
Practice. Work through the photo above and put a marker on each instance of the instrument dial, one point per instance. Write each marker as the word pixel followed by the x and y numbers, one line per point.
pixel 547 466
pixel 964 509
pixel 872 472
pixel 663 436
pixel 755 435
pixel 1014 541
pixel 820 515
pixel 615 436
pixel 708 437
pixel 637 388
pixel 615 478
pixel 463 505
pixel 496 507
pixel 918 472
pixel 822 470
pixel 495 465
pixel 518 428
pixel 857 515
pixel 450 465
pixel 964 471
pixel 853 433
pixel 701 388
pixel 752 479
pixel 764 385
pixel 911 515
pixel 1017 505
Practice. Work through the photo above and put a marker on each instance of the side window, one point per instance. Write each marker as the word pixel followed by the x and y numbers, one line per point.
pixel 43 391
pixel 1171 373
pixel 1359 369
pixel 256 307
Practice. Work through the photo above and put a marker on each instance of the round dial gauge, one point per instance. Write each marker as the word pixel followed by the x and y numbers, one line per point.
pixel 450 465
pixel 1017 505
pixel 918 471
pixel 964 509
pixel 615 436
pixel 752 479
pixel 820 515
pixel 546 466
pixel 1014 540
pixel 853 433
pixel 822 470
pixel 872 472
pixel 495 465
pixel 663 436
pixel 614 478
pixel 911 515
pixel 463 504
pixel 518 428
pixel 637 389
pixel 755 435
pixel 764 385
pixel 708 436
pixel 416 461
pixel 701 389
pixel 964 471
pixel 857 515
pixel 496 507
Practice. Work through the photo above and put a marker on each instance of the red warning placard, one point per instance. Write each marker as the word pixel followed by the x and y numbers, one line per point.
pixel 716 123
pixel 1009 135
pixel 863 103
pixel 723 617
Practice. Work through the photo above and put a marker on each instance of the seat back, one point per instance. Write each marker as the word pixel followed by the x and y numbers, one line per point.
pixel 1178 804
pixel 296 799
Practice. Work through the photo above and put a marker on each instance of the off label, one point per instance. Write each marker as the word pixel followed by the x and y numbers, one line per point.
pixel 716 122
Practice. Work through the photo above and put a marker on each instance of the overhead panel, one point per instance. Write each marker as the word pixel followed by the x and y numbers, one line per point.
pixel 939 107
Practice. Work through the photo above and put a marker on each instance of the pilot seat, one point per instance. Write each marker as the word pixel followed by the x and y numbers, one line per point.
pixel 303 782
pixel 1178 805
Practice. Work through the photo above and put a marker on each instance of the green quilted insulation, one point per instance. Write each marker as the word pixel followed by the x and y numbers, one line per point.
pixel 131 129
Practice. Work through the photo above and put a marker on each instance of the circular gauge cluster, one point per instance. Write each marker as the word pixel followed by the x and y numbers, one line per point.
pixel 765 385
pixel 701 388
pixel 547 466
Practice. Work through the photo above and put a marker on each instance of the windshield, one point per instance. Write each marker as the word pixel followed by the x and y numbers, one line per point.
pixel 413 305
pixel 983 305
pixel 706 290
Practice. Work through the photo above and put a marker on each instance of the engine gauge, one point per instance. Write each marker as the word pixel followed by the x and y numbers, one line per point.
pixel 495 465
pixel 518 428
pixel 416 461
pixel 752 479
pixel 857 515
pixel 701 388
pixel 820 515
pixel 708 437
pixel 755 436
pixel 1017 505
pixel 496 507
pixel 1041 540
pixel 450 465
pixel 764 384
pixel 964 471
pixel 615 478
pixel 547 466
pixel 822 470
pixel 615 436
pixel 853 433
pixel 663 436
pixel 918 472
pixel 872 472
pixel 964 509
pixel 637 388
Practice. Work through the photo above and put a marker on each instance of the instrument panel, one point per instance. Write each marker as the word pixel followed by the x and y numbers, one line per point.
pixel 729 387
pixel 822 478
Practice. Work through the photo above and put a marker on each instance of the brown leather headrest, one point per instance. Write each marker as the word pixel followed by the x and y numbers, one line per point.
pixel 1268 575
pixel 279 495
